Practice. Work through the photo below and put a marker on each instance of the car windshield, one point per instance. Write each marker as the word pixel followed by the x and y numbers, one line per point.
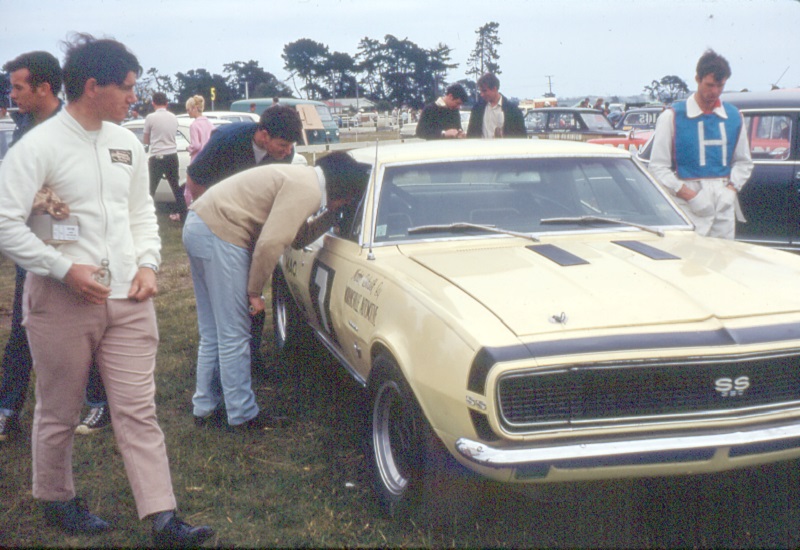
pixel 519 195
pixel 596 121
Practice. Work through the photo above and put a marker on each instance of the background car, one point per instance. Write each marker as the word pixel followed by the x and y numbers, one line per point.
pixel 638 125
pixel 230 116
pixel 536 311
pixel 182 139
pixel 568 123
pixel 639 119
pixel 318 124
pixel 770 200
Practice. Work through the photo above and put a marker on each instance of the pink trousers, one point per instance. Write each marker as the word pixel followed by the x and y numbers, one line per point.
pixel 65 334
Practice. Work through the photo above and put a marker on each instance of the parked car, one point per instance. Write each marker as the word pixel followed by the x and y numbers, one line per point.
pixel 637 124
pixel 771 199
pixel 633 140
pixel 230 116
pixel 541 312
pixel 639 119
pixel 182 139
pixel 319 127
pixel 574 124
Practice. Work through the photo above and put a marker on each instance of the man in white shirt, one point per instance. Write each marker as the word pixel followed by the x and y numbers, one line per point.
pixel 701 154
pixel 160 128
pixel 495 116
pixel 91 296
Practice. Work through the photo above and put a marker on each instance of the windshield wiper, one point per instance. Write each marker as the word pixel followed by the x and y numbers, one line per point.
pixel 600 219
pixel 463 226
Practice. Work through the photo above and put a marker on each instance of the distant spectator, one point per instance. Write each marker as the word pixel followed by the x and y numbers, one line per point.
pixel 160 128
pixel 442 119
pixel 598 104
pixel 495 116
pixel 199 133
pixel 584 104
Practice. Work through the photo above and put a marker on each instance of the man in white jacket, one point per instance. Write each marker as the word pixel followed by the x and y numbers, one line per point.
pixel 91 296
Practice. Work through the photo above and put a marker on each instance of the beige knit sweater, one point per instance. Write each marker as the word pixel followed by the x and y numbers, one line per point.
pixel 261 209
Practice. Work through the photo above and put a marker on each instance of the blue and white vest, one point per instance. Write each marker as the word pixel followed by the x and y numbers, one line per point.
pixel 704 145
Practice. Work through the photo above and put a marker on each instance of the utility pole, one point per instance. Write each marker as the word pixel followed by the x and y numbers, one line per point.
pixel 549 86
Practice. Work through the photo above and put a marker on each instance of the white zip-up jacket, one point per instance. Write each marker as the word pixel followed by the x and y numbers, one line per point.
pixel 103 178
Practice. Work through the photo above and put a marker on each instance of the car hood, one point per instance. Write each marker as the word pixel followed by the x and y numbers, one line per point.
pixel 620 283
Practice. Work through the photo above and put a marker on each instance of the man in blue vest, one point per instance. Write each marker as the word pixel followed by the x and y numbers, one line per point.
pixel 701 154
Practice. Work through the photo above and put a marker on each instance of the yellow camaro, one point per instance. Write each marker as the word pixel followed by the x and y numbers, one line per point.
pixel 541 311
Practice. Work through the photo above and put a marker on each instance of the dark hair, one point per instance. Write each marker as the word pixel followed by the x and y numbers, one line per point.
pixel 344 177
pixel 489 81
pixel 282 121
pixel 105 60
pixel 713 63
pixel 457 91
pixel 42 66
pixel 160 98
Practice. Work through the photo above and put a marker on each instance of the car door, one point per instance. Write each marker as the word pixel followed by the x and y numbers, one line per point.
pixel 338 294
pixel 770 200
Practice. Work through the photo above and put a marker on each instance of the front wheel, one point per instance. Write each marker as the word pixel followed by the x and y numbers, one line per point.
pixel 413 473
pixel 291 332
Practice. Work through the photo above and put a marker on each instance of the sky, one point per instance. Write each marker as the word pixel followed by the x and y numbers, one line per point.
pixel 596 48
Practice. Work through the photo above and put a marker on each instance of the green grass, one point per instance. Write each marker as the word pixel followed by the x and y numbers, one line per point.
pixel 306 485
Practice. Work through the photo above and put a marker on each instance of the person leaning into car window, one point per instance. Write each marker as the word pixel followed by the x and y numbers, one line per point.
pixel 234 235
pixel 442 119
pixel 239 146
pixel 700 152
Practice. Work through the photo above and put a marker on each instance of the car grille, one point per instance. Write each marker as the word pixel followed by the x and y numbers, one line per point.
pixel 605 394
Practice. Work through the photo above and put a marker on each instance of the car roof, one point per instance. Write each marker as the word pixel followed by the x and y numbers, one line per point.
pixel 184 121
pixel 216 114
pixel 471 149
pixel 570 109
pixel 773 99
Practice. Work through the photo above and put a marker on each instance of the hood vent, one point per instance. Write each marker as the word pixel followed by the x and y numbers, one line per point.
pixel 557 255
pixel 647 250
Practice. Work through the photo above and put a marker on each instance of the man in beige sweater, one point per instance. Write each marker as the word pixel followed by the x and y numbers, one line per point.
pixel 234 235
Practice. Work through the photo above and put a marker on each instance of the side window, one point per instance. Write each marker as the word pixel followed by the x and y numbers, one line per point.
pixel 770 136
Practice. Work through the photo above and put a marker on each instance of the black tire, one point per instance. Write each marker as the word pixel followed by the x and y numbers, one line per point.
pixel 291 332
pixel 413 474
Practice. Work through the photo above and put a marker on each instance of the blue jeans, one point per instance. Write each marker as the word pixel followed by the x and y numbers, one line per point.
pixel 17 362
pixel 219 273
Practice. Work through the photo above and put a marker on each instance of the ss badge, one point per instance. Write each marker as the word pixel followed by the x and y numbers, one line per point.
pixel 728 387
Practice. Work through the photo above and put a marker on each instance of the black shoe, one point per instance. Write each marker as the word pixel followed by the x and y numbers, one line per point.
pixel 99 418
pixel 177 533
pixel 73 517
pixel 215 419
pixel 262 421
pixel 8 424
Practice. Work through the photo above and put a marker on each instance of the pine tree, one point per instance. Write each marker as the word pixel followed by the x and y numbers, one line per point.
pixel 483 58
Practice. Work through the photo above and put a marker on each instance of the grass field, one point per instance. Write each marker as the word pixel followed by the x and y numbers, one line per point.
pixel 306 485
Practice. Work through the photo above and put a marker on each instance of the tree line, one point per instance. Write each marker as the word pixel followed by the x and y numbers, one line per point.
pixel 390 72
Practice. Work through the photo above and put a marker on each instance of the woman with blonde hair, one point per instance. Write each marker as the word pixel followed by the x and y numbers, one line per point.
pixel 199 132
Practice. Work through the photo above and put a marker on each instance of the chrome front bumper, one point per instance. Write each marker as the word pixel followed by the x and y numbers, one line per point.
pixel 740 443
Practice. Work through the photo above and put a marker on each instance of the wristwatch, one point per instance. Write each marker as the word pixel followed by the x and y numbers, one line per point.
pixel 154 267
